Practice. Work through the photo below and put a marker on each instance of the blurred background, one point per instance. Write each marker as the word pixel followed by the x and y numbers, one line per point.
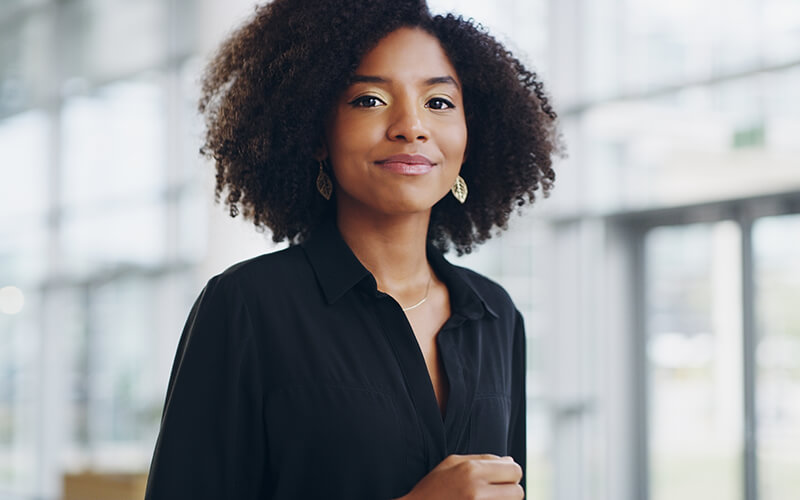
pixel 660 282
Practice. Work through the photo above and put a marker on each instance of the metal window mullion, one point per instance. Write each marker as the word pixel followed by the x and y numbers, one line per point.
pixel 171 85
pixel 49 364
pixel 640 444
pixel 750 463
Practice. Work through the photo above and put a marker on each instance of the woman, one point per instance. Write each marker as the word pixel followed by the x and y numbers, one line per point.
pixel 359 363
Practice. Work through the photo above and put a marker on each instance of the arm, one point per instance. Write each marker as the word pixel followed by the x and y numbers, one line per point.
pixel 517 436
pixel 212 442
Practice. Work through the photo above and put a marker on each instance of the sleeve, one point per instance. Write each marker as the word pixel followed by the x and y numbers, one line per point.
pixel 517 436
pixel 212 439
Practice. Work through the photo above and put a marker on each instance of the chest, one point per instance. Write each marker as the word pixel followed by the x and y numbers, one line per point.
pixel 358 378
pixel 426 324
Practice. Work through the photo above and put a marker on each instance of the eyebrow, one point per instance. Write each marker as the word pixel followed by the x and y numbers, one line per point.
pixel 429 82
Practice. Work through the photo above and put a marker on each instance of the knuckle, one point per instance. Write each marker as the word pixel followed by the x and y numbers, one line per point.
pixel 471 467
pixel 444 464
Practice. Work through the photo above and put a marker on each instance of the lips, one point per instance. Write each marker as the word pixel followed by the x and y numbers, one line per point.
pixel 407 164
pixel 409 159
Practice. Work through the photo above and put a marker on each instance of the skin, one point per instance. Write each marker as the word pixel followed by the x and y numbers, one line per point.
pixel 406 99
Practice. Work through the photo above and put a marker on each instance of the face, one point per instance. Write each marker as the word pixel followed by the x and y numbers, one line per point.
pixel 397 136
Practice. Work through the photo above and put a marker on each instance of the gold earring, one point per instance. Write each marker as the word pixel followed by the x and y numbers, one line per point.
pixel 459 189
pixel 324 184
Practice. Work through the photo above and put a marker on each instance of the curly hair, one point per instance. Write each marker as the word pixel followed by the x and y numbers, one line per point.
pixel 268 90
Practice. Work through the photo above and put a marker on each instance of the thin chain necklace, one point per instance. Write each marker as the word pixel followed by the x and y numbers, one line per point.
pixel 427 290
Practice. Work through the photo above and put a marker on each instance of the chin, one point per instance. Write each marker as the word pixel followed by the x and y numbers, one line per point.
pixel 404 206
pixel 396 201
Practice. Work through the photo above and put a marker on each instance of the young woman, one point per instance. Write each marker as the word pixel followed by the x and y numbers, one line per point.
pixel 359 363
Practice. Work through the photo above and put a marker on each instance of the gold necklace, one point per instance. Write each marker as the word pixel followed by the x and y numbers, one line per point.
pixel 427 290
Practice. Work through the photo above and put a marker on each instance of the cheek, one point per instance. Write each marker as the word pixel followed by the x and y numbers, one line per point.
pixel 455 143
pixel 348 137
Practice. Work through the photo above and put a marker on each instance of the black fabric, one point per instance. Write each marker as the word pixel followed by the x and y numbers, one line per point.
pixel 295 378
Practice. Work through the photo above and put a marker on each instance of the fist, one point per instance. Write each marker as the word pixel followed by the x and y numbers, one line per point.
pixel 471 477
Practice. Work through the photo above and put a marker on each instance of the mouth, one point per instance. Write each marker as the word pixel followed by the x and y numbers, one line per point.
pixel 407 164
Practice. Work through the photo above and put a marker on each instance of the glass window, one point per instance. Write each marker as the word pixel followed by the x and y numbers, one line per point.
pixel 694 342
pixel 12 6
pixel 666 43
pixel 782 118
pixel 74 330
pixel 102 239
pixel 19 392
pixel 191 166
pixel 121 339
pixel 26 71
pixel 23 190
pixel 643 45
pixel 539 471
pixel 23 254
pixel 781 30
pixel 777 277
pixel 193 209
pixel 601 44
pixel 23 195
pixel 109 39
pixel 521 25
pixel 114 143
pixel 107 74
pixel 698 144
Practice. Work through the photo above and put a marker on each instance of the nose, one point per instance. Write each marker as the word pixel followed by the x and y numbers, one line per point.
pixel 407 124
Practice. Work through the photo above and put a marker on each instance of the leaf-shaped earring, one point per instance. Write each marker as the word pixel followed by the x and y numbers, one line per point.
pixel 324 184
pixel 459 189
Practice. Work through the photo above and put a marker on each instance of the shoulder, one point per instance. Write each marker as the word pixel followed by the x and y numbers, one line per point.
pixel 494 296
pixel 263 273
pixel 239 298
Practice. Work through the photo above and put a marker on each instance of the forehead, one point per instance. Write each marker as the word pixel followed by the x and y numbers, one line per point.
pixel 408 54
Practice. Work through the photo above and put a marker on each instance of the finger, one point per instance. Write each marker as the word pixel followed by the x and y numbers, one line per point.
pixel 454 459
pixel 508 492
pixel 483 456
pixel 490 471
pixel 502 471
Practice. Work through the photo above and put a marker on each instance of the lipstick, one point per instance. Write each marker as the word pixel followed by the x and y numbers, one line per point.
pixel 407 164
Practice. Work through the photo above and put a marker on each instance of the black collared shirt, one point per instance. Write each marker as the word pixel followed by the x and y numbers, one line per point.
pixel 295 378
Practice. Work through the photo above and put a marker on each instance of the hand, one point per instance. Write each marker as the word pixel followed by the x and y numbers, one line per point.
pixel 471 477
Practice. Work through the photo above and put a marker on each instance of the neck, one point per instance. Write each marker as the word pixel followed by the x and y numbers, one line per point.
pixel 392 248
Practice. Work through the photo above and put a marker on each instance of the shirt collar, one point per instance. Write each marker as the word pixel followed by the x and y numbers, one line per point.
pixel 338 270
pixel 465 298
pixel 334 264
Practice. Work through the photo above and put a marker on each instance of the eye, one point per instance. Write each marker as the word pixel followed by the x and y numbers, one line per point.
pixel 366 101
pixel 439 103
